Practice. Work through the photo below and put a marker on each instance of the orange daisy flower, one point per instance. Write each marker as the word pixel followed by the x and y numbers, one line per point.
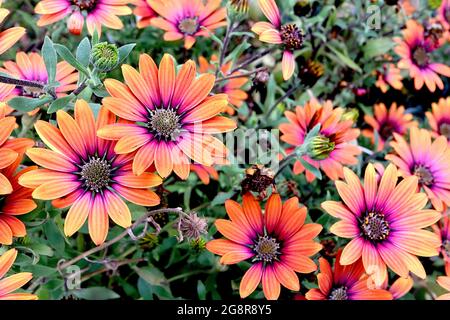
pixel 232 87
pixel 96 13
pixel 414 52
pixel 442 230
pixel 339 134
pixel 385 221
pixel 31 67
pixel 15 203
pixel 10 284
pixel 9 37
pixel 144 13
pixel 400 287
pixel 427 160
pixel 205 173
pixel 385 122
pixel 83 171
pixel 290 36
pixel 186 19
pixel 348 282
pixel 444 282
pixel 172 116
pixel 439 118
pixel 390 76
pixel 278 243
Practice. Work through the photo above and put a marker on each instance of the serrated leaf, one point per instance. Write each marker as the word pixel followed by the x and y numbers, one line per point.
pixel 65 53
pixel 60 103
pixel 84 52
pixel 26 104
pixel 50 59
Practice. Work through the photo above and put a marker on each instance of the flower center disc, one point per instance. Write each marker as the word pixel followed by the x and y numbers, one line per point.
pixel 444 129
pixel 84 4
pixel 165 123
pixel 338 294
pixel 292 36
pixel 386 130
pixel 375 227
pixel 188 25
pixel 96 174
pixel 424 174
pixel 266 249
pixel 420 56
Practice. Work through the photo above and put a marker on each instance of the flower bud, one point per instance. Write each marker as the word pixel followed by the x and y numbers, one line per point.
pixel 198 245
pixel 351 114
pixel 105 56
pixel 75 23
pixel 320 147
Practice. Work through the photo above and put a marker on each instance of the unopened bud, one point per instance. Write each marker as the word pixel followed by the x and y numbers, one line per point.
pixel 351 114
pixel 320 147
pixel 105 56
pixel 198 245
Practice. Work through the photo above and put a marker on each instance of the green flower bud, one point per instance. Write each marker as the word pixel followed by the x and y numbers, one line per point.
pixel 240 6
pixel 320 147
pixel 198 245
pixel 350 114
pixel 105 56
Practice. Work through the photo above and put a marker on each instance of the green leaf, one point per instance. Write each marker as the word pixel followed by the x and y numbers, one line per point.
pixel 84 52
pixel 60 103
pixel 124 52
pixel 26 104
pixel 68 56
pixel 201 290
pixel 151 275
pixel 54 236
pixel 221 197
pixel 377 47
pixel 95 293
pixel 50 59
pixel 41 271
pixel 344 59
pixel 42 249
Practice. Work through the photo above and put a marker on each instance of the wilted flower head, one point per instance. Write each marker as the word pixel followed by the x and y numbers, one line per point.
pixel 191 226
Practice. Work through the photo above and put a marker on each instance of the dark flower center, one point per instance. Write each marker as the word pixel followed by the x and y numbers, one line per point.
pixel 444 129
pixel 165 123
pixel 386 130
pixel 338 293
pixel 292 36
pixel 424 174
pixel 375 227
pixel 84 4
pixel 266 249
pixel 96 174
pixel 420 57
pixel 188 25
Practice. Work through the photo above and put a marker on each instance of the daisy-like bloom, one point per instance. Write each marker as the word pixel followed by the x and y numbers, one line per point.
pixel 12 283
pixel 16 203
pixel 188 19
pixel 442 230
pixel 82 171
pixel 144 13
pixel 31 67
pixel 277 243
pixel 97 13
pixel 172 116
pixel 389 77
pixel 439 118
pixel 427 160
pixel 232 87
pixel 345 283
pixel 385 221
pixel 385 122
pixel 290 36
pixel 414 52
pixel 205 173
pixel 8 37
pixel 335 133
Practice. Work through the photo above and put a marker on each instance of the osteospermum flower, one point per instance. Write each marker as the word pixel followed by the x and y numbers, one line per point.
pixel 336 138
pixel 10 36
pixel 31 67
pixel 290 36
pixel 188 19
pixel 427 160
pixel 82 171
pixel 144 13
pixel 232 87
pixel 442 230
pixel 15 203
pixel 172 116
pixel 414 52
pixel 10 284
pixel 385 223
pixel 439 118
pixel 444 282
pixel 390 76
pixel 205 173
pixel 96 13
pixel 385 122
pixel 344 283
pixel 277 243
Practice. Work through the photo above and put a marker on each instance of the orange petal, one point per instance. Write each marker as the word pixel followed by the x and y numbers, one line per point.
pixel 273 212
pixel 72 132
pixel 271 286
pixel 198 91
pixel 9 37
pixel 7 157
pixel 144 158
pixel 14 282
pixel 54 139
pixel 163 160
pixel 77 214
pixel 5 185
pixel 50 160
pixel 166 77
pixel 144 198
pixel 117 209
pixel 98 221
pixel 251 280
pixel 50 190
pixel 5 233
pixel 6 261
pixel 129 144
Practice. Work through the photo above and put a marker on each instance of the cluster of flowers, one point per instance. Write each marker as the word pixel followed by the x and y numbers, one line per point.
pixel 162 119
